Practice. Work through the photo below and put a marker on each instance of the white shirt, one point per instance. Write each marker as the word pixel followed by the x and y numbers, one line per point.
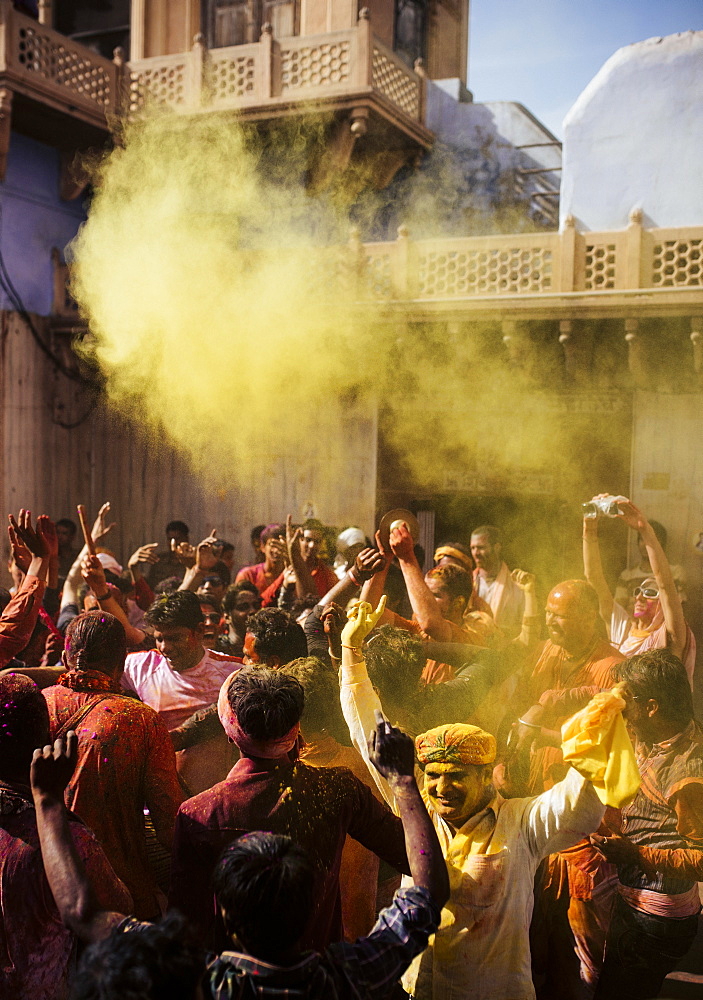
pixel 176 695
pixel 482 948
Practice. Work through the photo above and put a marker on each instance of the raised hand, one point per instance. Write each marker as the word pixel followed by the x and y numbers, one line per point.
pixel 333 618
pixel 33 540
pixel 391 750
pixel 361 620
pixel 293 537
pixel 144 554
pixel 386 553
pixel 401 543
pixel 20 553
pixel 101 527
pixel 631 515
pixel 184 552
pixel 94 575
pixel 53 766
pixel 47 530
pixel 367 563
pixel 525 581
pixel 206 553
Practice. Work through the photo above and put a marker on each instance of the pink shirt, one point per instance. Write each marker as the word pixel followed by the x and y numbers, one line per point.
pixel 175 696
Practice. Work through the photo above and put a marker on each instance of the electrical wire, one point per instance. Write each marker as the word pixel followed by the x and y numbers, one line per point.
pixel 15 299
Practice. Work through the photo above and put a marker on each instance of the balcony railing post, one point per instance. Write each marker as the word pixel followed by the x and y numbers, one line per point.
pixel 567 255
pixel 45 13
pixel 268 80
pixel 403 283
pixel 419 68
pixel 364 49
pixel 119 104
pixel 355 259
pixel 697 342
pixel 197 84
pixel 633 259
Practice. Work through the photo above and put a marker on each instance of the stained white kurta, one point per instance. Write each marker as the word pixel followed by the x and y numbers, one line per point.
pixel 481 951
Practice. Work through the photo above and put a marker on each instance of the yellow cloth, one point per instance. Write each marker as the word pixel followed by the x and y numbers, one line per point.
pixel 456 744
pixel 596 743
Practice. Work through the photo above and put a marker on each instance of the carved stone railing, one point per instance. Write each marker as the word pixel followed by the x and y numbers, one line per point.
pixel 531 264
pixel 46 66
pixel 306 68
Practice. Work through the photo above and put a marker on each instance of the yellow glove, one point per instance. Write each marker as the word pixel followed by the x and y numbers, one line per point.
pixel 595 742
pixel 362 619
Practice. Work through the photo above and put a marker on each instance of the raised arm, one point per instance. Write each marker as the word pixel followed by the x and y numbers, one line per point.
pixel 304 583
pixel 75 897
pixel 593 568
pixel 358 697
pixel 424 604
pixel 373 589
pixel 531 618
pixel 393 755
pixel 672 609
pixel 205 558
pixel 94 576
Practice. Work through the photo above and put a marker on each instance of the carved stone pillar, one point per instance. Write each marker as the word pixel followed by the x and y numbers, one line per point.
pixel 576 338
pixel 635 355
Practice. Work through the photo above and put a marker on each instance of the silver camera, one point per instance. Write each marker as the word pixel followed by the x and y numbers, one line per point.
pixel 605 507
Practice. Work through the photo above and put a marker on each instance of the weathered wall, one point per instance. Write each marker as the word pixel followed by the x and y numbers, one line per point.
pixel 34 220
pixel 634 138
pixel 50 469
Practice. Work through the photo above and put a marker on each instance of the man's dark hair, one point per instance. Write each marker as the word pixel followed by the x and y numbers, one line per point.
pixel 312 524
pixel 456 581
pixel 267 703
pixel 492 533
pixel 154 962
pixel 178 610
pixel 208 601
pixel 96 640
pixel 272 531
pixel 660 675
pixel 277 634
pixel 660 531
pixel 226 547
pixel 256 533
pixel 264 882
pixel 395 660
pixel 177 526
pixel 169 585
pixel 222 570
pixel 24 722
pixel 66 522
pixel 234 590
pixel 322 711
pixel 459 546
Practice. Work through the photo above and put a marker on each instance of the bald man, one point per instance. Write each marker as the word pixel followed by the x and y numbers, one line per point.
pixel 573 908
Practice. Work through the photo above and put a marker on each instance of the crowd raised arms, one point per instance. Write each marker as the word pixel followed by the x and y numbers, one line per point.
pixel 340 769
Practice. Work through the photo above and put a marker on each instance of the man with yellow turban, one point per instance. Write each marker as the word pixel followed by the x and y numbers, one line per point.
pixel 492 845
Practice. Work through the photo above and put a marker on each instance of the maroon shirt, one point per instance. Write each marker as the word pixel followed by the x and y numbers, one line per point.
pixel 37 952
pixel 125 761
pixel 317 807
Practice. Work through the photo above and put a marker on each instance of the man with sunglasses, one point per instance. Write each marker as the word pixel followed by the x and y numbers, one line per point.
pixel 657 620
pixel 241 600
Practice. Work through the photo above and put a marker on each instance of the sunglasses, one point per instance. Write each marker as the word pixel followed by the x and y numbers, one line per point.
pixel 649 592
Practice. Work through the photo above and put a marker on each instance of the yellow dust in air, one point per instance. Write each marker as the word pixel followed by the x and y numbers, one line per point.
pixel 219 308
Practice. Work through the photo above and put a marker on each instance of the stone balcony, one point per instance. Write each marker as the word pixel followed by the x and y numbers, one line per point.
pixel 542 275
pixel 374 98
pixel 51 87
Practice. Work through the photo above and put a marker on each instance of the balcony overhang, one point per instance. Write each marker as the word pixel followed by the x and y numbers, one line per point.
pixel 51 87
pixel 374 102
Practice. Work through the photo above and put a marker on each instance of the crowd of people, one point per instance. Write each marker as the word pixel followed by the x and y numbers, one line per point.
pixel 334 773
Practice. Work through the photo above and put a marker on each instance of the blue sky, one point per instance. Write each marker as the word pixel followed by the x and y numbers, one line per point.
pixel 543 53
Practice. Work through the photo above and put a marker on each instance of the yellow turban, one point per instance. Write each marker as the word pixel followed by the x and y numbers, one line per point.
pixel 456 744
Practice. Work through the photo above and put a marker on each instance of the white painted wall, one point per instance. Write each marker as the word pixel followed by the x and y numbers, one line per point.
pixel 634 138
